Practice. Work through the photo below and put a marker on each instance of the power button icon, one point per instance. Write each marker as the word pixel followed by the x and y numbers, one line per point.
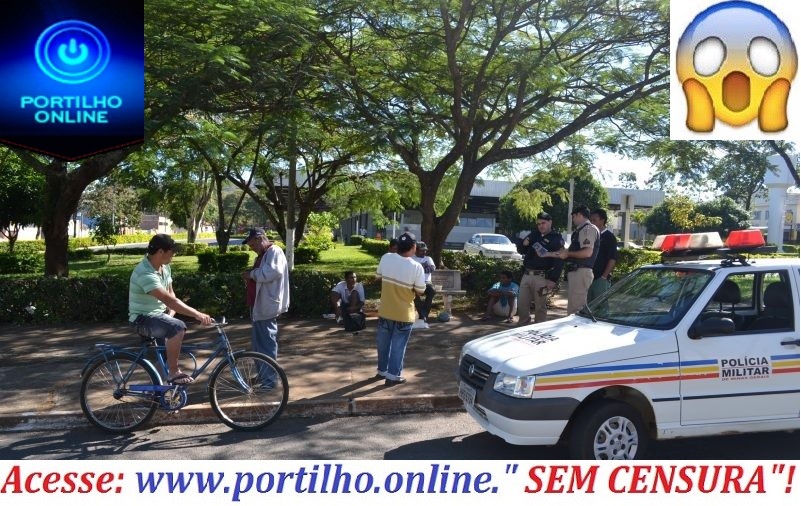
pixel 72 52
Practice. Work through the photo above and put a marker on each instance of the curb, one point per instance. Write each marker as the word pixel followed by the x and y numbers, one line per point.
pixel 202 413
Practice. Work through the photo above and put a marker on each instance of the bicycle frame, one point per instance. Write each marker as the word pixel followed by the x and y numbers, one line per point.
pixel 220 347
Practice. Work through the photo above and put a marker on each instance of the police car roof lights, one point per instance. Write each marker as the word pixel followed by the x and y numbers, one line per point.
pixel 688 244
pixel 697 245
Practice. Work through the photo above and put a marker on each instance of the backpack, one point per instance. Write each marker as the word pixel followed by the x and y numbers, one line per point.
pixel 354 322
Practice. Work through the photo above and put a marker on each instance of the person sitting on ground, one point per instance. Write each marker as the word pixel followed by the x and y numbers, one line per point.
pixel 502 298
pixel 347 296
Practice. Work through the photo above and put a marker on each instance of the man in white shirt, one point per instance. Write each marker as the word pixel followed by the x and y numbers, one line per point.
pixel 347 295
pixel 401 278
pixel 423 306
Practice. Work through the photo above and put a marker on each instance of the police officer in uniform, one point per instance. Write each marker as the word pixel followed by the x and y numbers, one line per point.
pixel 540 272
pixel 580 258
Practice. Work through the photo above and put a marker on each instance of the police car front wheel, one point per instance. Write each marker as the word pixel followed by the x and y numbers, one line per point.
pixel 608 430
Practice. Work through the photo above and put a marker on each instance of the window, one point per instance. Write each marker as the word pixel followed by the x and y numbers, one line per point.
pixel 652 298
pixel 757 302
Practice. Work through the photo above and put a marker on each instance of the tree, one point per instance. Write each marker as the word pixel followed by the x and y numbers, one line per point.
pixel 548 190
pixel 116 204
pixel 737 168
pixel 64 185
pixel 627 180
pixel 20 196
pixel 104 231
pixel 732 215
pixel 473 84
pixel 197 53
pixel 677 214
pixel 740 172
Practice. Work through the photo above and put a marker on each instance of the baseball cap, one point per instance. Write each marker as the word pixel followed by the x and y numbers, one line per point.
pixel 422 246
pixel 544 216
pixel 406 240
pixel 254 233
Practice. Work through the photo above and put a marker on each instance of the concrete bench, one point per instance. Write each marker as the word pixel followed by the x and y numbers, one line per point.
pixel 447 282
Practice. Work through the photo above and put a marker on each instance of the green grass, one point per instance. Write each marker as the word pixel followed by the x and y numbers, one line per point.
pixel 341 258
pixel 336 260
pixel 124 264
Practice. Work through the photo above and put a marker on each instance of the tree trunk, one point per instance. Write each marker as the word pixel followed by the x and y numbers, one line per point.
pixel 59 206
pixel 435 229
pixel 11 233
pixel 63 190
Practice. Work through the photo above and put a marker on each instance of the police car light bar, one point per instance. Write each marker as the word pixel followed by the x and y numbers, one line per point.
pixel 683 243
pixel 699 245
pixel 741 239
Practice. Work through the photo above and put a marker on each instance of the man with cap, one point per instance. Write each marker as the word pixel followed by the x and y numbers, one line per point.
pixel 152 303
pixel 580 258
pixel 423 306
pixel 401 279
pixel 267 292
pixel 541 269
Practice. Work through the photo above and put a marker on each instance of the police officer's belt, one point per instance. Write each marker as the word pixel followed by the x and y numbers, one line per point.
pixel 534 272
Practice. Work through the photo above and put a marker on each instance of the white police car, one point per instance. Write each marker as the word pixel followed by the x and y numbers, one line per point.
pixel 692 348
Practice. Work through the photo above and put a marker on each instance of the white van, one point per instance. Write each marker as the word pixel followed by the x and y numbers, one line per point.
pixel 692 348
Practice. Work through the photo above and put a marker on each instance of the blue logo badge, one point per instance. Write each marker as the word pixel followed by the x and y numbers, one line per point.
pixel 72 52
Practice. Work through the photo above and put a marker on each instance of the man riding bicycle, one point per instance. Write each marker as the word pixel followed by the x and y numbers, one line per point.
pixel 152 303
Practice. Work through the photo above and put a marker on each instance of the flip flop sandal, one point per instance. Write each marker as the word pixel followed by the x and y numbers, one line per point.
pixel 181 379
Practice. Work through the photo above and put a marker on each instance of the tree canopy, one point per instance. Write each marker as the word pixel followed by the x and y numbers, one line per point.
pixel 462 86
pixel 548 190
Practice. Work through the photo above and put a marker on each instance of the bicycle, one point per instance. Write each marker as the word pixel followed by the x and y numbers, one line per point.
pixel 121 389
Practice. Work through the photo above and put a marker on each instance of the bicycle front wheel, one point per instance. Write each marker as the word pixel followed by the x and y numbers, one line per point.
pixel 256 403
pixel 107 399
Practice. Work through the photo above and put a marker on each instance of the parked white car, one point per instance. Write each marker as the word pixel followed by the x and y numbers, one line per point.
pixel 691 348
pixel 492 246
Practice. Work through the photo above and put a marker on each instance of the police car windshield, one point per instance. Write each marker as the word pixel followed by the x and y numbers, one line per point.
pixel 654 298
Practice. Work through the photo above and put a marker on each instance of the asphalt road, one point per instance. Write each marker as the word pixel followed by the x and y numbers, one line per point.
pixel 401 437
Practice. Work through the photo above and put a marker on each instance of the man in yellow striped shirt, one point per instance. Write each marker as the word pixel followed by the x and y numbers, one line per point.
pixel 401 278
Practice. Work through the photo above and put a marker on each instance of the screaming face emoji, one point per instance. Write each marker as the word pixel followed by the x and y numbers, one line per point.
pixel 735 62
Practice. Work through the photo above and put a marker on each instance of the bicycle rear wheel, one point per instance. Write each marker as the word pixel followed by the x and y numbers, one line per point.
pixel 254 407
pixel 107 401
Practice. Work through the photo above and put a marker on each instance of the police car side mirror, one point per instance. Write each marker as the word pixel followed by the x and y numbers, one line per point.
pixel 711 327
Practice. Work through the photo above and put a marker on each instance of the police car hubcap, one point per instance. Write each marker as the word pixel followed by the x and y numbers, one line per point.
pixel 616 439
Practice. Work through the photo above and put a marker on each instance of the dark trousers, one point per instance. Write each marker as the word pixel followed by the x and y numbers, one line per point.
pixel 423 307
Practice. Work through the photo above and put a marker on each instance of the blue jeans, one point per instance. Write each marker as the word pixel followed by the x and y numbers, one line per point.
pixel 391 339
pixel 265 340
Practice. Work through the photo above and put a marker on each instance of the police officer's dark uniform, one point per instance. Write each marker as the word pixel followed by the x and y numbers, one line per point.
pixel 537 271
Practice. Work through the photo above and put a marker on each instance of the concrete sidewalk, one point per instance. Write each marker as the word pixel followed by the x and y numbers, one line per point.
pixel 330 372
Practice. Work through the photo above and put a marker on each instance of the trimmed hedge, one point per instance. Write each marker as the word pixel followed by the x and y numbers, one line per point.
pixel 375 247
pixel 629 259
pixel 212 261
pixel 105 298
pixel 306 255
pixel 355 240
pixel 59 300
pixel 22 262
pixel 478 272
pixel 790 248
pixel 194 248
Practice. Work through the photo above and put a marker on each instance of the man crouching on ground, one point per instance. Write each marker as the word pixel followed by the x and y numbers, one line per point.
pixel 152 303
pixel 401 278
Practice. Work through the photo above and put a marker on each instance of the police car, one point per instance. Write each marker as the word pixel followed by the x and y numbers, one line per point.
pixel 696 347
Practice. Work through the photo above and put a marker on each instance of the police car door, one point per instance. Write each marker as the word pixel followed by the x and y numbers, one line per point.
pixel 751 374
